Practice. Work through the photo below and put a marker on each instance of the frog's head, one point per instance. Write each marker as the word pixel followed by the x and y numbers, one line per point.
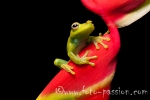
pixel 84 29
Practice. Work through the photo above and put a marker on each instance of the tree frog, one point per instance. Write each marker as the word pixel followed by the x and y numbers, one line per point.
pixel 79 37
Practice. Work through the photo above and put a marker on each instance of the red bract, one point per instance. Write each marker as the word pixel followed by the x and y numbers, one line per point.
pixel 120 12
pixel 93 83
pixel 87 78
pixel 114 9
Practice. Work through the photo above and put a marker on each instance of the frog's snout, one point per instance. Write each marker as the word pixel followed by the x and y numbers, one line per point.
pixel 89 21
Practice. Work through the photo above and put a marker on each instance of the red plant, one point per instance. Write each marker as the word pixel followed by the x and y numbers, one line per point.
pixel 93 83
pixel 95 79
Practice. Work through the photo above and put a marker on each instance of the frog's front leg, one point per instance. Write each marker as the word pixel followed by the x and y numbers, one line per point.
pixel 99 39
pixel 82 60
pixel 63 64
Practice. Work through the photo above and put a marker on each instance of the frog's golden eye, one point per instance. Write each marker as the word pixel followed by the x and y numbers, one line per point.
pixel 75 26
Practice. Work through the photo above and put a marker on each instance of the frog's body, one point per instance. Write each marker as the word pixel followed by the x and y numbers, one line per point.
pixel 79 36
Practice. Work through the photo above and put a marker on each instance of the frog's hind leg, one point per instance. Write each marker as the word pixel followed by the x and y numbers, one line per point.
pixel 63 64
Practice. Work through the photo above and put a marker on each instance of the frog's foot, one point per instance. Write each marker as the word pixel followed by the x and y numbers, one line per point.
pixel 85 60
pixel 104 33
pixel 67 68
pixel 99 39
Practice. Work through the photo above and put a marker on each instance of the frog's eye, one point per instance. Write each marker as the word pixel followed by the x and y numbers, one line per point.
pixel 75 26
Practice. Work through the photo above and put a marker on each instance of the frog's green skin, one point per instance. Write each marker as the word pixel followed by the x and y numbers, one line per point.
pixel 79 36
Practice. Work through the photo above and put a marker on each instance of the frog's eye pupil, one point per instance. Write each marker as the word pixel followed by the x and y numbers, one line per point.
pixel 75 26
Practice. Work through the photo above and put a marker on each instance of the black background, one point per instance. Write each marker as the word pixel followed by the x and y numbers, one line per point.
pixel 43 29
